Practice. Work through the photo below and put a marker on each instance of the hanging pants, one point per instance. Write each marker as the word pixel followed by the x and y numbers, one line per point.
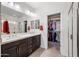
pixel 55 37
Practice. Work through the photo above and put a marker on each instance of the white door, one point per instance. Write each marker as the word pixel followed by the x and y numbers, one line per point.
pixel 70 27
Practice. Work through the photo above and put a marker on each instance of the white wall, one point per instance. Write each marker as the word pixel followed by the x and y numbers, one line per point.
pixel 61 8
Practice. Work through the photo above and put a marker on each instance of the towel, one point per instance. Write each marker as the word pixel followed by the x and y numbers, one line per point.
pixel 6 27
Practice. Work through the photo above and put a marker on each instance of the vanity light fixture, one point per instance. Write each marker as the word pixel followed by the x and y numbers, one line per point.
pixel 8 3
pixel 4 3
pixel 27 12
pixel 33 14
pixel 11 4
pixel 17 6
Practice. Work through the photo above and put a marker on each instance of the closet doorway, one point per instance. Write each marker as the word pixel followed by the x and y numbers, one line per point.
pixel 54 31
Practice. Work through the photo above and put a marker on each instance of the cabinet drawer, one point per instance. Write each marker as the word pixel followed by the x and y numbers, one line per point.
pixel 11 52
pixel 9 45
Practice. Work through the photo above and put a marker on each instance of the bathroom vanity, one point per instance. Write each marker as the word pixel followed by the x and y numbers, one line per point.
pixel 22 39
pixel 21 47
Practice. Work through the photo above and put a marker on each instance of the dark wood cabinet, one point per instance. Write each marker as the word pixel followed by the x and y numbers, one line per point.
pixel 11 52
pixel 36 42
pixel 21 48
pixel 10 49
pixel 29 45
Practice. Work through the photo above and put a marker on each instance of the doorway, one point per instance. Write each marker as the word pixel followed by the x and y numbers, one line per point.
pixel 54 31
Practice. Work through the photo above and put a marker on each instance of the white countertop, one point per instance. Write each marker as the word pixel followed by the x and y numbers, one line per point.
pixel 15 37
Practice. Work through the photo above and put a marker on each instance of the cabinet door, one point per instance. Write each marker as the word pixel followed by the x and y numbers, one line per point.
pixel 23 48
pixel 11 52
pixel 37 39
pixel 29 45
pixel 36 42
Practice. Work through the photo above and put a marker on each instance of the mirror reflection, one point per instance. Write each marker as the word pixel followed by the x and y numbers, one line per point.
pixel 15 20
pixel 11 25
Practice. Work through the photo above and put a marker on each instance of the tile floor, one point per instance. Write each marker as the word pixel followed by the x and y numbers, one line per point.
pixel 52 51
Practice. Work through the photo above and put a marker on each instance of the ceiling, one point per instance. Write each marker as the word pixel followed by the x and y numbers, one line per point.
pixel 44 5
pixel 26 6
pixel 35 6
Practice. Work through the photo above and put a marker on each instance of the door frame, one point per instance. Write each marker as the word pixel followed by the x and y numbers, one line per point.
pixel 60 22
pixel 71 8
pixel 77 30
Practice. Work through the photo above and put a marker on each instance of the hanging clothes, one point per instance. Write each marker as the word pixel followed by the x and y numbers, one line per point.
pixel 54 34
pixel 50 29
pixel 6 27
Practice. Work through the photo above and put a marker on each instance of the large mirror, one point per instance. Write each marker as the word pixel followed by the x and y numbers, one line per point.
pixel 14 24
pixel 35 24
pixel 16 20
